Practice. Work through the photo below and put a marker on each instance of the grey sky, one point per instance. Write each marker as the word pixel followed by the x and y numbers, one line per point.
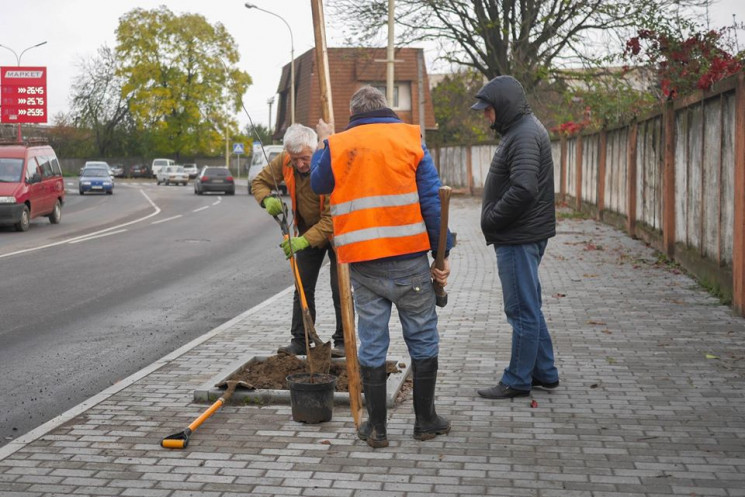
pixel 75 29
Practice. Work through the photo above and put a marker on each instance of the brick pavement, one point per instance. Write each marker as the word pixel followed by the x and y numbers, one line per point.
pixel 651 402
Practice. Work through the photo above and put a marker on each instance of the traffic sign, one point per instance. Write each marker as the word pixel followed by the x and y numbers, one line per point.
pixel 238 148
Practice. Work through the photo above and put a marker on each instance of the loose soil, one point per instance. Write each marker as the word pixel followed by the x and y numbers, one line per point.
pixel 271 374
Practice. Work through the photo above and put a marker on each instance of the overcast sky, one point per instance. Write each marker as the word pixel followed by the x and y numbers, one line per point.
pixel 75 29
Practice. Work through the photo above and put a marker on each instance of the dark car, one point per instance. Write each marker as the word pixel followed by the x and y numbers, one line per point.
pixel 139 172
pixel 214 179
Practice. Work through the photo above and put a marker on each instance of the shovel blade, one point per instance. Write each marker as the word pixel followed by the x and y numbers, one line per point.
pixel 319 358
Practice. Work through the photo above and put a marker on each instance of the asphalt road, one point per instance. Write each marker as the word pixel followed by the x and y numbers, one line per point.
pixel 123 280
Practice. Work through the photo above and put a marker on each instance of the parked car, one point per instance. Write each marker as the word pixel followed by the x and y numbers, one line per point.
pixel 172 174
pixel 258 161
pixel 95 179
pixel 117 171
pixel 214 179
pixel 139 171
pixel 159 164
pixel 191 170
pixel 31 184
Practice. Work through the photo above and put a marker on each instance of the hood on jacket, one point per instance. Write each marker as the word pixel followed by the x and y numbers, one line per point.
pixel 507 96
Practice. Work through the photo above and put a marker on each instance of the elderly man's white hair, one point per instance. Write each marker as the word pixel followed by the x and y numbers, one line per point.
pixel 366 99
pixel 299 137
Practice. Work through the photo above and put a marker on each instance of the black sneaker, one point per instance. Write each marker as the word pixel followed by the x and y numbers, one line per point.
pixel 502 391
pixel 293 349
pixel 545 386
pixel 338 350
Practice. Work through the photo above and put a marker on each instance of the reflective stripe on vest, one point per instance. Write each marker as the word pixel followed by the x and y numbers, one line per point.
pixel 375 202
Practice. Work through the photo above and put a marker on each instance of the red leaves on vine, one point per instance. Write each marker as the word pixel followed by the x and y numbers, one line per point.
pixel 683 65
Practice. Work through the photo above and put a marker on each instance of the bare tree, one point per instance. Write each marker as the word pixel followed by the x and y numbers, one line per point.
pixel 97 102
pixel 524 38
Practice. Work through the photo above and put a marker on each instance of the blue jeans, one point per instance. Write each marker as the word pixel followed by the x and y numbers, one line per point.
pixel 532 350
pixel 407 284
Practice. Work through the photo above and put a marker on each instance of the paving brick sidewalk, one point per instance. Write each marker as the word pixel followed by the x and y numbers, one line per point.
pixel 651 401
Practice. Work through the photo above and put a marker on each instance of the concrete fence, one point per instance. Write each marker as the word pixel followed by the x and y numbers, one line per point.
pixel 675 178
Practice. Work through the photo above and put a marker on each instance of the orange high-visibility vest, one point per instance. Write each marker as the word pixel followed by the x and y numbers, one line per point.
pixel 288 172
pixel 375 202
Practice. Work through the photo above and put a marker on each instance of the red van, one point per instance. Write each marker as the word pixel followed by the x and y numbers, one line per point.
pixel 31 184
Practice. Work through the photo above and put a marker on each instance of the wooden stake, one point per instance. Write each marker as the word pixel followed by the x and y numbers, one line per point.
pixel 345 285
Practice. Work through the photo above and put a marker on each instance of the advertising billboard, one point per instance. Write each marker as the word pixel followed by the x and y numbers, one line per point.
pixel 23 94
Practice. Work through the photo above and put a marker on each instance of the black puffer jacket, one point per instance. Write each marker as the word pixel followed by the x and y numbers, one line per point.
pixel 518 201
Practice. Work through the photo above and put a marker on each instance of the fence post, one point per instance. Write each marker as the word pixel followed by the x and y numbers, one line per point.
pixel 469 168
pixel 631 179
pixel 563 170
pixel 578 173
pixel 668 182
pixel 602 152
pixel 738 249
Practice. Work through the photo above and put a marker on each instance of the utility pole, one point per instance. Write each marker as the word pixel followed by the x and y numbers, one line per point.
pixel 270 102
pixel 390 57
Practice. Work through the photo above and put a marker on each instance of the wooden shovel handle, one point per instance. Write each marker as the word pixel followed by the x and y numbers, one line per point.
pixel 444 193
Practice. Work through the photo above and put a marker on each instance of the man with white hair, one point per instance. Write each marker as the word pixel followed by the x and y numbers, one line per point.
pixel 312 221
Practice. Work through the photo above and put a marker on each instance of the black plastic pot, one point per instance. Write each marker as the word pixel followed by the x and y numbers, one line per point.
pixel 311 397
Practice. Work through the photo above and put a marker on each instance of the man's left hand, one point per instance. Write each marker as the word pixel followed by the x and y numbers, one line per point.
pixel 297 243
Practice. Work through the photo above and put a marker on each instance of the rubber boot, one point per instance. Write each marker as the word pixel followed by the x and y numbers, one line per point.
pixel 373 384
pixel 428 424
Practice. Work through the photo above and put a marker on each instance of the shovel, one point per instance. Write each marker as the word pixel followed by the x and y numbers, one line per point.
pixel 181 439
pixel 319 356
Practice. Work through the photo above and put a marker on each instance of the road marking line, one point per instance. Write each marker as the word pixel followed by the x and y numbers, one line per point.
pixel 97 236
pixel 154 213
pixel 201 208
pixel 166 219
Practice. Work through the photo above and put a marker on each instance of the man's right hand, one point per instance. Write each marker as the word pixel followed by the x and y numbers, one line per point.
pixel 273 206
pixel 323 130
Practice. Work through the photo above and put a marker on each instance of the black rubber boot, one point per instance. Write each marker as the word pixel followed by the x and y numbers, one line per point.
pixel 428 424
pixel 373 384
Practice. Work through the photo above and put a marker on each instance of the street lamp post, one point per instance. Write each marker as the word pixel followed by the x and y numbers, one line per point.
pixel 292 59
pixel 18 63
pixel 270 102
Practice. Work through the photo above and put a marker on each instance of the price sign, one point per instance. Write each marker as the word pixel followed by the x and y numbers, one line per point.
pixel 23 94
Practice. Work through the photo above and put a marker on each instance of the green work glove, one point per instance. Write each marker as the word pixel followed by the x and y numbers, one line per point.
pixel 273 206
pixel 298 243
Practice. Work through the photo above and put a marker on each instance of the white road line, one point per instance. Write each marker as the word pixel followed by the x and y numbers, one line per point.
pixel 219 199
pixel 201 208
pixel 69 240
pixel 97 236
pixel 166 219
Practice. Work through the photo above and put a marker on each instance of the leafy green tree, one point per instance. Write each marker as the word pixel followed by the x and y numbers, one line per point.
pixel 179 79
pixel 456 122
pixel 259 132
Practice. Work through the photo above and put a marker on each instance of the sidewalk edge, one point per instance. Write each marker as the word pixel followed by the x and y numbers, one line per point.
pixel 18 443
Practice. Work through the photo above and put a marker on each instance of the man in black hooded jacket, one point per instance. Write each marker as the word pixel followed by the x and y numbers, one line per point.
pixel 518 217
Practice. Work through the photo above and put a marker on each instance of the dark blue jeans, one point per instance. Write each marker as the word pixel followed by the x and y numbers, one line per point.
pixel 309 262
pixel 532 350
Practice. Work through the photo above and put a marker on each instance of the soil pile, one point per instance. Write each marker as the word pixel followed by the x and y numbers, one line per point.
pixel 271 373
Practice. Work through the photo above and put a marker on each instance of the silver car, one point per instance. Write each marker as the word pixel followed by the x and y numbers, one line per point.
pixel 172 174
